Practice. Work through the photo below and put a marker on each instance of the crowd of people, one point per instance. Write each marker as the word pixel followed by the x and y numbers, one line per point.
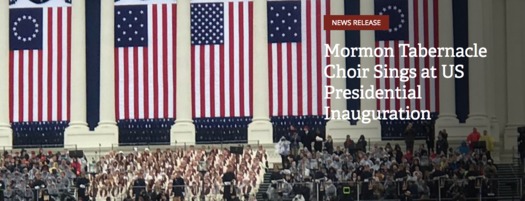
pixel 30 176
pixel 384 172
pixel 313 168
pixel 139 175
pixel 160 174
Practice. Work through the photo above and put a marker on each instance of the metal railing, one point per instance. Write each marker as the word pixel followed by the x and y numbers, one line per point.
pixel 477 188
pixel 39 193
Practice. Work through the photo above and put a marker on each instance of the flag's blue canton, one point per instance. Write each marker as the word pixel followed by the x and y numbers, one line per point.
pixel 398 12
pixel 25 28
pixel 207 23
pixel 284 21
pixel 131 26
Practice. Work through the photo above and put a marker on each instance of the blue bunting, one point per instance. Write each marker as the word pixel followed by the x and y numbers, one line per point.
pixel 229 130
pixel 144 131
pixel 38 134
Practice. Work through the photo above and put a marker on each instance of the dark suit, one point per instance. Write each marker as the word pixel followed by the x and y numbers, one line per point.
pixel 229 192
pixel 178 187
pixel 139 185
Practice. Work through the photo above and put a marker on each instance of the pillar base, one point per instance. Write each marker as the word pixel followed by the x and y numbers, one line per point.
pixel 6 138
pixel 447 119
pixel 106 134
pixel 338 129
pixel 77 127
pixel 478 119
pixel 260 131
pixel 371 131
pixel 510 137
pixel 183 133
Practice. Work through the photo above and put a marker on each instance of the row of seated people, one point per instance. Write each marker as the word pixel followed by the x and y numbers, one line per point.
pixel 30 176
pixel 144 131
pixel 155 173
pixel 385 173
pixel 394 129
pixel 38 134
pixel 282 125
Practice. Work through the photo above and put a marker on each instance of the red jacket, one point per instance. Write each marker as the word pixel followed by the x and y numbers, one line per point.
pixel 77 167
pixel 472 138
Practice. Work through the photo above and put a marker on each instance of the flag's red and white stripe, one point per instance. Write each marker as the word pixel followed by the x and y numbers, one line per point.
pixel 40 79
pixel 222 74
pixel 423 28
pixel 145 76
pixel 297 83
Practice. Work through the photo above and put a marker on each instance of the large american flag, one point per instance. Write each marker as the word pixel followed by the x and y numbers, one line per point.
pixel 145 53
pixel 411 22
pixel 39 61
pixel 221 58
pixel 295 57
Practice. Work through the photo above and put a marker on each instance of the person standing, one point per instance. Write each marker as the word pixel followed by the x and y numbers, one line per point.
pixel 319 139
pixel 442 144
pixel 229 193
pixel 329 144
pixel 473 138
pixel 489 142
pixel 283 148
pixel 410 136
pixel 178 187
pixel 295 141
pixel 139 185
pixel 361 143
pixel 429 129
pixel 82 184
pixel 307 138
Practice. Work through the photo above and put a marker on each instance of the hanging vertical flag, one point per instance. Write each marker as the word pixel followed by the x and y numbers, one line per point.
pixel 295 57
pixel 411 22
pixel 221 58
pixel 145 53
pixel 39 60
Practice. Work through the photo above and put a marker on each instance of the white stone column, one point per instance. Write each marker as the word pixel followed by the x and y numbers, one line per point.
pixel 260 129
pixel 337 128
pixel 183 131
pixel 477 67
pixel 490 75
pixel 515 71
pixel 107 129
pixel 6 134
pixel 447 94
pixel 371 130
pixel 77 123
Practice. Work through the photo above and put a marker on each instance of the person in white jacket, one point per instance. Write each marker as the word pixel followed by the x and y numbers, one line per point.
pixel 283 148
